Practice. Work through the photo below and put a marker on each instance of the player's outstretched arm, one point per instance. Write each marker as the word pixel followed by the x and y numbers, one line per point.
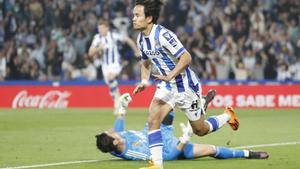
pixel 187 132
pixel 124 100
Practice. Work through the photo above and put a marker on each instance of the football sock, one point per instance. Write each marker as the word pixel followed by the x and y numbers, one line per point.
pixel 224 153
pixel 119 124
pixel 216 122
pixel 168 120
pixel 114 90
pixel 156 146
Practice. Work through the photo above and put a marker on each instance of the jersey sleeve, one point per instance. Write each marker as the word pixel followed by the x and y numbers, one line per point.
pixel 169 41
pixel 96 41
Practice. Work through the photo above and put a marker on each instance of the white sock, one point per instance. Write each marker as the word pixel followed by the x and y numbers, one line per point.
pixel 156 154
pixel 222 119
pixel 156 147
pixel 216 122
pixel 246 153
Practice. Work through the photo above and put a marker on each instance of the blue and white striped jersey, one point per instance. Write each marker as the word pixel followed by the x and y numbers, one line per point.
pixel 137 147
pixel 163 49
pixel 110 53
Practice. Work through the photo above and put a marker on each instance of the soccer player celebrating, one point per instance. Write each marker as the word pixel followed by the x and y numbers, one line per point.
pixel 105 43
pixel 133 145
pixel 179 86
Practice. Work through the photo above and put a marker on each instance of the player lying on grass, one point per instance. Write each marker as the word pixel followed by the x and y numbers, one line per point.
pixel 133 145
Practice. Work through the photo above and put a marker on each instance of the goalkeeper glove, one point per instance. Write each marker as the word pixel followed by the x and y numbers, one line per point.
pixel 187 132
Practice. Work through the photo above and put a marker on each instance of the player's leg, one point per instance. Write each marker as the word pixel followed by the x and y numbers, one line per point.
pixel 163 102
pixel 202 127
pixel 216 122
pixel 110 73
pixel 168 119
pixel 113 88
pixel 196 112
pixel 170 149
pixel 158 110
pixel 192 151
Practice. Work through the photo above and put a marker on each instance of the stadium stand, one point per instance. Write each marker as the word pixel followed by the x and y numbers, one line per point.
pixel 228 39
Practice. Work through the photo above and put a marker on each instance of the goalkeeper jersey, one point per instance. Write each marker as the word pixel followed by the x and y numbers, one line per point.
pixel 137 147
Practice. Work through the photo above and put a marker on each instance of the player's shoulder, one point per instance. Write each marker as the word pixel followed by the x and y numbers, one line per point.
pixel 166 34
pixel 163 29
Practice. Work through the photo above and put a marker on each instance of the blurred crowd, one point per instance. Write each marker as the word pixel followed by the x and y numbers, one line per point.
pixel 228 39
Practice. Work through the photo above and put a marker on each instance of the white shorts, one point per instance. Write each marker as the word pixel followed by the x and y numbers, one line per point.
pixel 110 69
pixel 187 101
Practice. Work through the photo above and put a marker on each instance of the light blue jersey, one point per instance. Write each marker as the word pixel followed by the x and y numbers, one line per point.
pixel 163 49
pixel 137 147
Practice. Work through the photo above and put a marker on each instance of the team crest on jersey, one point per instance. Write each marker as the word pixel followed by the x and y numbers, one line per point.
pixel 167 35
pixel 170 39
pixel 136 144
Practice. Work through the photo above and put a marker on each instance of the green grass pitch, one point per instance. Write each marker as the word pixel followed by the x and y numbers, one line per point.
pixel 32 137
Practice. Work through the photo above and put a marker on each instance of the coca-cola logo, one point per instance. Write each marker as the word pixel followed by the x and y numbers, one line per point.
pixel 51 99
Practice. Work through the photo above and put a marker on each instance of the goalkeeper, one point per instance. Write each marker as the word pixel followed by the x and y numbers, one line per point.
pixel 133 145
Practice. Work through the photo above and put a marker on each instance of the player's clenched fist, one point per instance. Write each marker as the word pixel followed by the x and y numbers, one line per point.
pixel 140 87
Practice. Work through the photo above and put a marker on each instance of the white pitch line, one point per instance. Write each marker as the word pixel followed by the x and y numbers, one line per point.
pixel 268 145
pixel 93 161
pixel 54 164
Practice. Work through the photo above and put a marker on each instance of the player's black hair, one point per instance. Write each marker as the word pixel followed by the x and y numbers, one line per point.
pixel 105 143
pixel 151 8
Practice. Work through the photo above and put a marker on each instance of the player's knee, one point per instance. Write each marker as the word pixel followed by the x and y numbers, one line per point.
pixel 200 132
pixel 188 151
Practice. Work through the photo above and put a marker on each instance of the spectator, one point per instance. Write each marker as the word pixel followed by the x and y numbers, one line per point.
pixel 2 65
pixel 38 53
pixel 205 27
pixel 80 42
pixel 258 21
pixel 240 72
pixel 283 72
pixel 89 72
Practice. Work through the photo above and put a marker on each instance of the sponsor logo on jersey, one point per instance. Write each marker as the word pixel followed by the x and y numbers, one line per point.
pixel 151 52
pixel 136 144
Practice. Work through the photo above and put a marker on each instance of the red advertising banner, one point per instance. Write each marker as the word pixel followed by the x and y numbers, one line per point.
pixel 256 96
pixel 77 96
